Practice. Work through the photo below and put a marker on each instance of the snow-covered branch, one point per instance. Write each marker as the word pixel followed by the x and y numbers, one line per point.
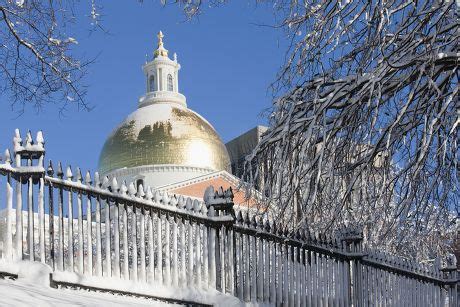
pixel 369 130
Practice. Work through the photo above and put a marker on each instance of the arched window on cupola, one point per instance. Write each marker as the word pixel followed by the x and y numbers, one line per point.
pixel 170 83
pixel 151 83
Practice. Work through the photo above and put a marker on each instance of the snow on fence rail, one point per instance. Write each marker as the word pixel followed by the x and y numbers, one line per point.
pixel 96 227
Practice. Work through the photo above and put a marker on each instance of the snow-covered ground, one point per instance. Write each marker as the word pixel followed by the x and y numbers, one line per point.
pixel 24 293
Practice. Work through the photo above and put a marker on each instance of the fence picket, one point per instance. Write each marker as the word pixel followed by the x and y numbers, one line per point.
pixel 98 238
pixel 134 237
pixel 80 233
pixel 183 254
pixel 151 265
pixel 159 266
pixel 175 258
pixel 19 217
pixel 30 217
pixel 89 237
pixel 108 260
pixel 70 246
pixel 123 212
pixel 142 272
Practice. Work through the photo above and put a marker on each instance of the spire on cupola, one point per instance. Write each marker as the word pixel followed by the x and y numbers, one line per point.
pixel 161 51
pixel 162 78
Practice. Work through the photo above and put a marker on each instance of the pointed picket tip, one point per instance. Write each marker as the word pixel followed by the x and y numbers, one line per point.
pixel 281 230
pixel 157 196
pixel 274 228
pixel 7 157
pixel 140 191
pixel 60 172
pixel 105 182
pixel 196 205
pixel 188 204
pixel 209 194
pixel 114 185
pixel 17 133
pixel 40 140
pixel 50 169
pixel 69 173
pixel 132 189
pixel 247 219
pixel 259 222
pixel 204 209
pixel 173 201
pixel 165 198
pixel 181 202
pixel 88 180
pixel 297 234
pixel 123 188
pixel 97 180
pixel 239 217
pixel 211 212
pixel 29 138
pixel 149 194
pixel 220 192
pixel 287 233
pixel 267 227
pixel 79 176
pixel 253 221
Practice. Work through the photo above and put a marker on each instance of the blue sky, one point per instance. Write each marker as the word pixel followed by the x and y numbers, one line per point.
pixel 228 62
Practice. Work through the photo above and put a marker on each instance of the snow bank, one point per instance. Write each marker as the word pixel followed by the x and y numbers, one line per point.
pixel 154 289
pixel 21 293
pixel 33 272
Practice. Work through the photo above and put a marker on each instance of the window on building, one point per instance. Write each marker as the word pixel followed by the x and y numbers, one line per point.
pixel 170 83
pixel 151 83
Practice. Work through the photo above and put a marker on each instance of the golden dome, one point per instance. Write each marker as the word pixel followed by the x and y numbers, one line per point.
pixel 163 133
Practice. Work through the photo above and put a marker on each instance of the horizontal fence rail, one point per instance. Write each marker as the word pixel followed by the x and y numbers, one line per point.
pixel 98 227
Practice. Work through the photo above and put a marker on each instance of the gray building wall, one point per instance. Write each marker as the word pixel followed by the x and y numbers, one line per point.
pixel 241 146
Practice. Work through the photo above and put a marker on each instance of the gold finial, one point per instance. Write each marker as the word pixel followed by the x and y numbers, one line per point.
pixel 161 51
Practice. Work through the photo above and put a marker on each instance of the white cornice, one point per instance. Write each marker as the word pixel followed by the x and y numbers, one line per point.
pixel 223 174
pixel 123 172
pixel 162 97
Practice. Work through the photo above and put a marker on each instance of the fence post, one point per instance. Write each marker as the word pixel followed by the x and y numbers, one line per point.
pixel 33 152
pixel 351 239
pixel 220 204
pixel 450 278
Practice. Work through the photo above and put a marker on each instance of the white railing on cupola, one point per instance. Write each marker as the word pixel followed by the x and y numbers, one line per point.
pixel 88 229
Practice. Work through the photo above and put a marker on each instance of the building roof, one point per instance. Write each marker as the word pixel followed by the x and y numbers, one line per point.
pixel 195 187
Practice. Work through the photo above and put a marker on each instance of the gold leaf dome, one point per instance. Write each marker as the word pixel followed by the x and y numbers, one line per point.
pixel 164 134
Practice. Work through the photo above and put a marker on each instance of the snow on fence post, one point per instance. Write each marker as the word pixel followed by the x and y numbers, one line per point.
pixel 351 239
pixel 34 172
pixel 220 204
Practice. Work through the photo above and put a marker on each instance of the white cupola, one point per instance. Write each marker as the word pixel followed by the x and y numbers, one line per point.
pixel 162 74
